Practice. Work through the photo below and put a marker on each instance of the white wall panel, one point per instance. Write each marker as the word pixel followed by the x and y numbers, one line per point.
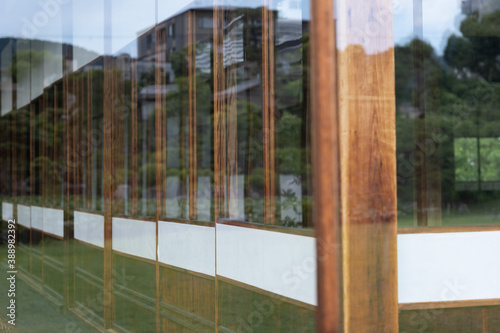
pixel 281 263
pixel 53 221
pixel 7 211
pixel 441 267
pixel 89 228
pixel 135 237
pixel 37 218
pixel 24 215
pixel 187 246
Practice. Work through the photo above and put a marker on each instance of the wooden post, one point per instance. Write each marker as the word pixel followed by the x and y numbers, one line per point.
pixel 134 182
pixel 108 192
pixel 325 164
pixel 159 153
pixel 219 135
pixel 193 179
pixel 219 116
pixel 366 97
pixel 231 107
pixel 108 168
pixel 268 112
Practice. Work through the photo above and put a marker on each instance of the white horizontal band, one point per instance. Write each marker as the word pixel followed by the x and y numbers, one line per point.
pixel 281 263
pixel 442 267
pixel 37 218
pixel 7 211
pixel 187 246
pixel 134 237
pixel 24 215
pixel 89 228
pixel 53 221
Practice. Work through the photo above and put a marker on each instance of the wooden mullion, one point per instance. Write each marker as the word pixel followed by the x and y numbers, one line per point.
pixel 192 115
pixel 420 181
pixel 219 116
pixel 74 125
pixel 41 138
pixel 108 194
pixel 54 145
pixel 219 134
pixel 268 113
pixel 89 139
pixel 231 105
pixel 325 165
pixel 159 152
pixel 134 183
pixel 368 168
pixel 32 173
pixel 68 207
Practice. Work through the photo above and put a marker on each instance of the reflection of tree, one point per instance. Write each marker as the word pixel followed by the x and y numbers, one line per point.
pixel 479 48
pixel 460 94
pixel 25 60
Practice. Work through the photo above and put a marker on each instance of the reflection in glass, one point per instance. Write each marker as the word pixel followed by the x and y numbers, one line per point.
pixel 149 86
pixel 447 93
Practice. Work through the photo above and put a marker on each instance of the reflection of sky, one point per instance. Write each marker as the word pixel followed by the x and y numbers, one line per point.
pixel 17 20
pixel 441 18
pixel 130 18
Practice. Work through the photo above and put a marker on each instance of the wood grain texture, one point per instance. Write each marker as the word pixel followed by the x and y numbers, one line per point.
pixel 445 229
pixel 267 227
pixel 449 304
pixel 325 160
pixel 366 91
pixel 468 319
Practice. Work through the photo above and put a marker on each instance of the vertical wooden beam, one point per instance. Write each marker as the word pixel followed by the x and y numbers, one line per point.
pixel 183 167
pixel 193 179
pixel 366 97
pixel 89 139
pixel 13 128
pixel 420 179
pixel 32 172
pixel 273 167
pixel 43 180
pixel 268 113
pixel 324 121
pixel 231 104
pixel 160 105
pixel 68 178
pixel 427 180
pixel 219 115
pixel 108 194
pixel 160 121
pixel 54 143
pixel 219 133
pixel 108 167
pixel 134 183
pixel 306 174
pixel 75 146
